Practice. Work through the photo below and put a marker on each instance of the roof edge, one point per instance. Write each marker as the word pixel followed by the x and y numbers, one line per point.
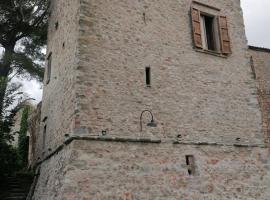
pixel 259 49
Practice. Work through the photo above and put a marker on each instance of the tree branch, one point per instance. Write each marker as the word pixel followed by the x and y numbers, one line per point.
pixel 40 19
pixel 25 64
pixel 10 78
pixel 39 5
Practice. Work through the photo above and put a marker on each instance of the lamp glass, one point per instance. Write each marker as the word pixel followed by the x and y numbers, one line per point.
pixel 152 124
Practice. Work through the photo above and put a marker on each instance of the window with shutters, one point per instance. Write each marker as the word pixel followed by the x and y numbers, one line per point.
pixel 210 31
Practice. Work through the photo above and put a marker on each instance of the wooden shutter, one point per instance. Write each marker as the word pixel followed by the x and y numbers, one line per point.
pixel 224 35
pixel 197 34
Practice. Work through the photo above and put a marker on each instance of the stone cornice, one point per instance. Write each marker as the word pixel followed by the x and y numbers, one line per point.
pixel 69 140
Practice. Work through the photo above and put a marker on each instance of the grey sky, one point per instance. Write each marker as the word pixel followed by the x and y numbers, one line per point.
pixel 257 22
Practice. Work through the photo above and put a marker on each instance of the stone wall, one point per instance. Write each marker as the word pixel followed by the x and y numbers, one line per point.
pixel 17 124
pixel 143 171
pixel 52 177
pixel 35 138
pixel 200 96
pixel 260 58
pixel 58 109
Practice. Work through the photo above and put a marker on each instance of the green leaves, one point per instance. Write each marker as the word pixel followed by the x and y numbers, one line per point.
pixel 23 35
pixel 23 25
pixel 26 65
pixel 23 139
pixel 9 108
pixel 12 159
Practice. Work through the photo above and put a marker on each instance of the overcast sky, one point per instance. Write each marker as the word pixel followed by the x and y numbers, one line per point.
pixel 257 22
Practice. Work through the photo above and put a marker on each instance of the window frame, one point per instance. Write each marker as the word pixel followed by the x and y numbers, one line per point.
pixel 222 45
pixel 215 33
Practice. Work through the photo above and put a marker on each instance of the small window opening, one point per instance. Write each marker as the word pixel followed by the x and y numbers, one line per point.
pixel 208 32
pixel 190 162
pixel 144 18
pixel 104 132
pixel 44 137
pixel 45 119
pixel 49 66
pixel 148 76
pixel 56 25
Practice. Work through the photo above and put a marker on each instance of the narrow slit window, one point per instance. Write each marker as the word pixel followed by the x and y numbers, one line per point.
pixel 148 76
pixel 144 18
pixel 49 67
pixel 190 162
pixel 56 25
pixel 44 137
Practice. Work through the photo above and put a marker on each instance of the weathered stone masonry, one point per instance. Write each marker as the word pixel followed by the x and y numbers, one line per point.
pixel 205 105
pixel 260 58
pixel 58 109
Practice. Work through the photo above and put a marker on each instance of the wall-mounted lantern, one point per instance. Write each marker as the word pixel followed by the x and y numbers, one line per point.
pixel 152 123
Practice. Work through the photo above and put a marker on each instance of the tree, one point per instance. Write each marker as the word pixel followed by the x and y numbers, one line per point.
pixel 8 155
pixel 23 34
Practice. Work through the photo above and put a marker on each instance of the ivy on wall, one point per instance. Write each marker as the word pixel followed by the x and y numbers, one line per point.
pixel 23 138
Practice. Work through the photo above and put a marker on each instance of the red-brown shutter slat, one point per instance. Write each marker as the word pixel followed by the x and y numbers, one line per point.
pixel 197 35
pixel 224 35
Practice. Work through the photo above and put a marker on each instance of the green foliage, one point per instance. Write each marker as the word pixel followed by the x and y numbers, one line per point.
pixel 23 139
pixel 11 105
pixel 25 66
pixel 23 35
pixel 23 25
pixel 8 155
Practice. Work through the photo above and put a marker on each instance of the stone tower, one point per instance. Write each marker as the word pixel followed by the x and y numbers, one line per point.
pixel 186 63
